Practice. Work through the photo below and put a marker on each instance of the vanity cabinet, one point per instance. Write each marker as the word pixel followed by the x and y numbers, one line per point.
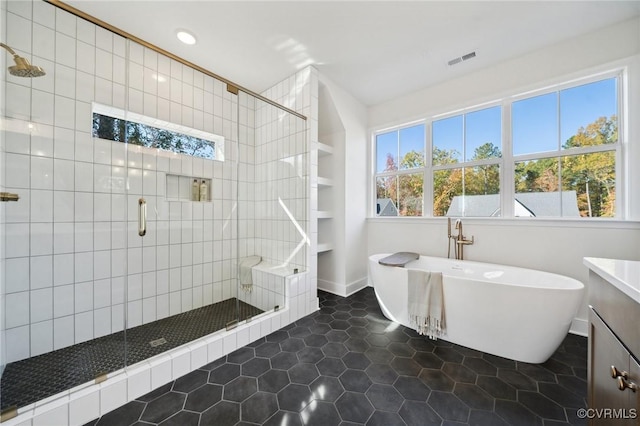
pixel 610 367
pixel 613 370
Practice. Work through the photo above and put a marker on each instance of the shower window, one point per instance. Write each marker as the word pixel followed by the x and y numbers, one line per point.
pixel 111 124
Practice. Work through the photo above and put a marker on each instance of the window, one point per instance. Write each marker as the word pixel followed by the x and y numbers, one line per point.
pixel 466 163
pixel 564 146
pixel 400 167
pixel 114 125
pixel 557 155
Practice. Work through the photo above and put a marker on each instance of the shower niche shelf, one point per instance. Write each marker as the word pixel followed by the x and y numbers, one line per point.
pixel 180 188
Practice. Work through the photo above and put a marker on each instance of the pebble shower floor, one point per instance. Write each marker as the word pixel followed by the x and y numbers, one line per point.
pixel 33 379
pixel 347 364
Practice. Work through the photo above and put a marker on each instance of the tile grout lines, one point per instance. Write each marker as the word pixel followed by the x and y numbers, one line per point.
pixel 346 364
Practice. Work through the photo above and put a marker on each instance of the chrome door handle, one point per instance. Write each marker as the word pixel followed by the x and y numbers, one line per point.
pixel 142 217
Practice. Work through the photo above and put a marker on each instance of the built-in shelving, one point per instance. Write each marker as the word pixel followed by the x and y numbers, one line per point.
pixel 324 182
pixel 325 198
pixel 324 247
pixel 324 149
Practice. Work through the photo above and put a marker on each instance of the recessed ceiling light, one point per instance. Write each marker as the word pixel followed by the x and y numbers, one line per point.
pixel 186 37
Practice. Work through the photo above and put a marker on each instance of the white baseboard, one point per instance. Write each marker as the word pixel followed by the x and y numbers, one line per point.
pixel 579 327
pixel 341 289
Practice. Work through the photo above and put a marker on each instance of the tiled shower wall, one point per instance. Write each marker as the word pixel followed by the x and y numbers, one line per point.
pixel 273 197
pixel 280 187
pixel 72 239
pixel 299 92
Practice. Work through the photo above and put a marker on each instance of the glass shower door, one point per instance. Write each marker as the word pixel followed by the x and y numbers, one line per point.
pixel 63 242
pixel 181 171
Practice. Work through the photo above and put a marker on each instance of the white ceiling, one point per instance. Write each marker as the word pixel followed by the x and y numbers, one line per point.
pixel 377 50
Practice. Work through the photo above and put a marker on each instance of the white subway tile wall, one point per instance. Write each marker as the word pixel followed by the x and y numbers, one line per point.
pixel 72 239
pixel 300 93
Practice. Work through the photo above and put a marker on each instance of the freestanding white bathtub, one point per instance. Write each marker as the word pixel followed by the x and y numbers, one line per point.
pixel 515 313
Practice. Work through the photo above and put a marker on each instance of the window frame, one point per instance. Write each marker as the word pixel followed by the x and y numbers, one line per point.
pixel 508 161
pixel 399 171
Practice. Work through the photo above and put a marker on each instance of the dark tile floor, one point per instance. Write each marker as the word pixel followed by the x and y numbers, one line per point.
pixel 346 364
pixel 32 379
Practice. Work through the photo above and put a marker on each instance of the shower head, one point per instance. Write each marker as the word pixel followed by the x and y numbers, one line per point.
pixel 23 68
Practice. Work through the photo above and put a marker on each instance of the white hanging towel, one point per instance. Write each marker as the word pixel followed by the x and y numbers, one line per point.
pixel 426 303
pixel 246 282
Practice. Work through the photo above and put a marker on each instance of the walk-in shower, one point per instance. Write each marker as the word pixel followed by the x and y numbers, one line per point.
pixel 84 292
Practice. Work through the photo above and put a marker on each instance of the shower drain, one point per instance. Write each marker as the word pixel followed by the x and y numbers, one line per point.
pixel 158 342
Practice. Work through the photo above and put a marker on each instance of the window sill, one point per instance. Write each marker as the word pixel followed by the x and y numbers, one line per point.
pixel 528 222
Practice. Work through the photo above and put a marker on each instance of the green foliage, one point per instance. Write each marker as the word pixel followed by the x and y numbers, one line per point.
pixel 476 180
pixel 486 150
pixel 592 176
pixel 118 130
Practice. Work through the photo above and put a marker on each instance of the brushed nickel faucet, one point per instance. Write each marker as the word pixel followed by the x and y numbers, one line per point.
pixel 459 240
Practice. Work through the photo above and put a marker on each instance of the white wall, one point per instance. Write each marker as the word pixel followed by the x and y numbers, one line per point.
pixel 554 246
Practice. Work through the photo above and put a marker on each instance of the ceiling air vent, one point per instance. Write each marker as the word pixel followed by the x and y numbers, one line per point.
pixel 462 58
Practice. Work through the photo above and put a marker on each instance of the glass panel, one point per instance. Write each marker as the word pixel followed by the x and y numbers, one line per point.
pixel 537 187
pixel 63 248
pixel 588 114
pixel 471 192
pixel 272 202
pixel 447 184
pixel 387 152
pixel 483 134
pixel 447 140
pixel 482 180
pixel 534 123
pixel 412 147
pixel 181 273
pixel 589 181
pixel 387 196
pixel 410 198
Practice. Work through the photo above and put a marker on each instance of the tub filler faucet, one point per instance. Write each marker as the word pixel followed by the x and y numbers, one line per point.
pixel 459 240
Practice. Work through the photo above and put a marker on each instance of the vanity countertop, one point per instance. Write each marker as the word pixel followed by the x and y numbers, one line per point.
pixel 623 274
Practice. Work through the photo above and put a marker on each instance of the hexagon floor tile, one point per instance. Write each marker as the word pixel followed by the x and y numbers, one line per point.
pixel 348 365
